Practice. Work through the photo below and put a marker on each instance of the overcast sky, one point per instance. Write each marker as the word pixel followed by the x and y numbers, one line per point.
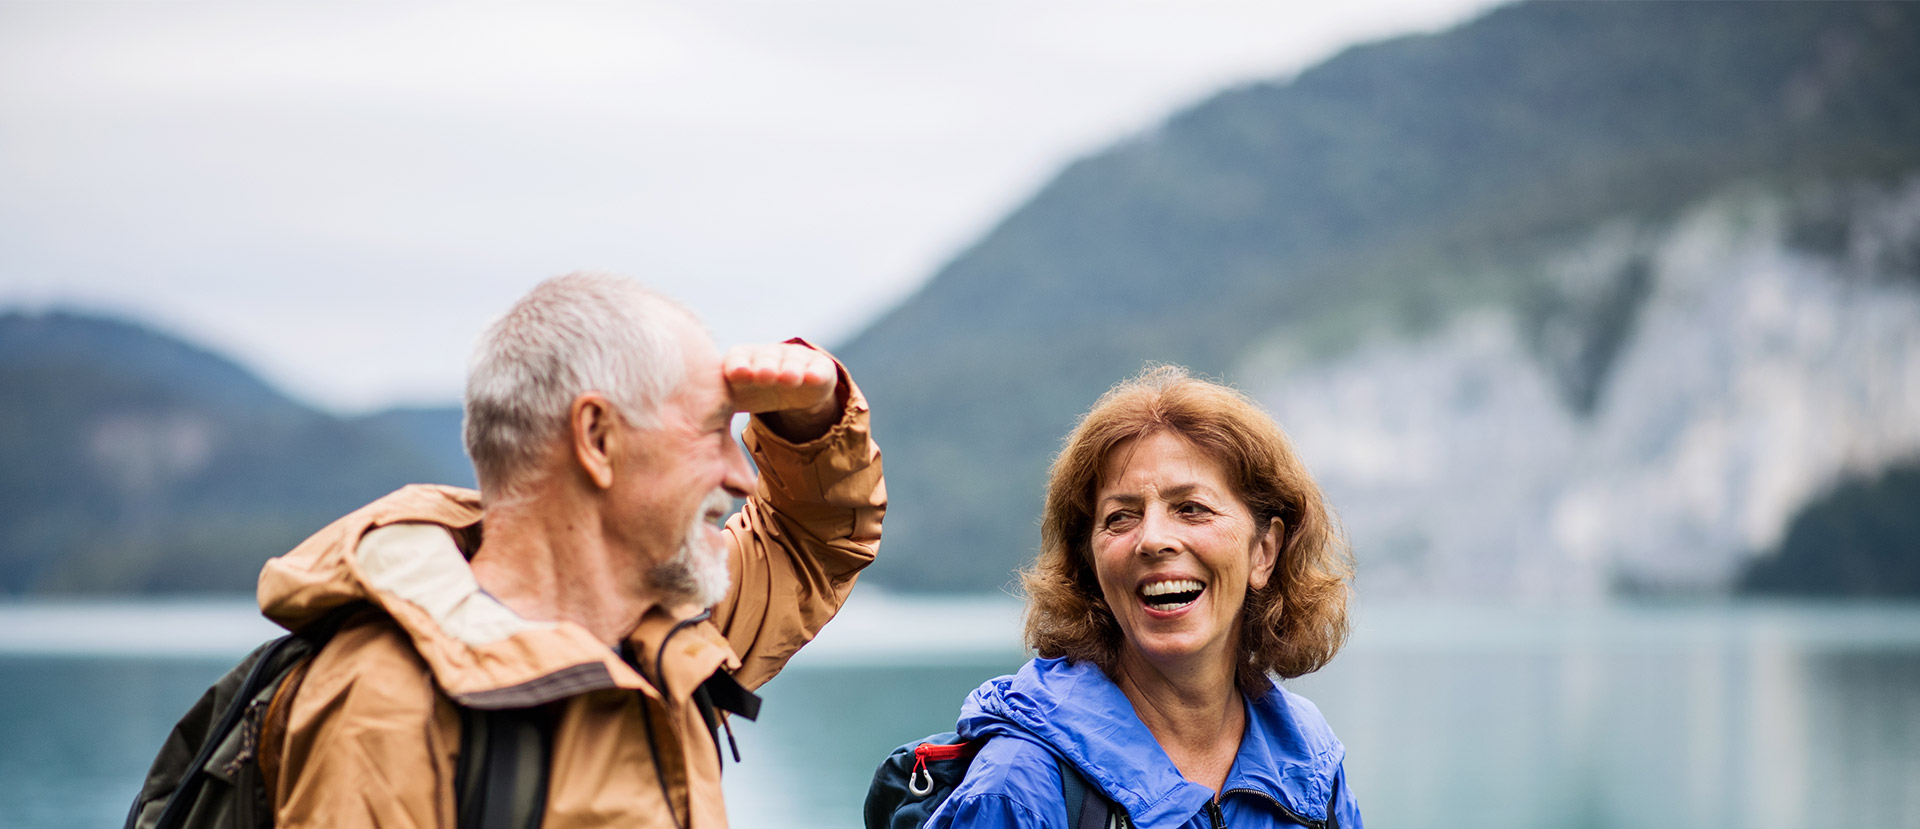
pixel 342 195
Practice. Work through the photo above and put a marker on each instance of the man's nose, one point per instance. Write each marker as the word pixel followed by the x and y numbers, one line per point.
pixel 738 477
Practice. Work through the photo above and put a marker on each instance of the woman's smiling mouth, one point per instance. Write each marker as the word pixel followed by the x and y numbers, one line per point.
pixel 1171 594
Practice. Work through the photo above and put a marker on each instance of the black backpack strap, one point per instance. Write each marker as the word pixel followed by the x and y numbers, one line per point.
pixel 504 760
pixel 1333 817
pixel 722 693
pixel 1087 807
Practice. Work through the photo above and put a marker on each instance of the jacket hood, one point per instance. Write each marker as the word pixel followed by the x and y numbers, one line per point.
pixel 403 554
pixel 1288 754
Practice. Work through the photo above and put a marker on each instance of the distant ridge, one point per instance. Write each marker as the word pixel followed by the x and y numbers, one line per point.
pixel 1378 195
pixel 1575 297
pixel 131 461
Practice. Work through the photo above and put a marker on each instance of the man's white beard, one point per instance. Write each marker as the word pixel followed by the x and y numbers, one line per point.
pixel 697 573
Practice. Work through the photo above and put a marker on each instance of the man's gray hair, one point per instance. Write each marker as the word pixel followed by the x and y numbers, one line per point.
pixel 570 335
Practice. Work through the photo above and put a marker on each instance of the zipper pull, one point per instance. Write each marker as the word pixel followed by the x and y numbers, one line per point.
pixel 920 780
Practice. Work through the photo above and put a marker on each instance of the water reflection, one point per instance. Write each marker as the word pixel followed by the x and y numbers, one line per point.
pixel 1723 716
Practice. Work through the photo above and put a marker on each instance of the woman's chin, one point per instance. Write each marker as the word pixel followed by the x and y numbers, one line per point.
pixel 1163 663
pixel 1168 649
pixel 1178 636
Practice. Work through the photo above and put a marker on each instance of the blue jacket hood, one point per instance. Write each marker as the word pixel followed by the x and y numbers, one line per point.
pixel 1288 754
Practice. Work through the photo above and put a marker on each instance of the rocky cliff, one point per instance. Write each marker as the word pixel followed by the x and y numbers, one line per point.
pixel 1574 297
pixel 1653 420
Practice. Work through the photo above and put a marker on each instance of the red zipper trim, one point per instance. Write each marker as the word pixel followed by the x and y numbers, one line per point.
pixel 934 751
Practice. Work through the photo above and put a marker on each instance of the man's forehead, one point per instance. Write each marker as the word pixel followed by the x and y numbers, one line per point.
pixel 704 392
pixel 721 412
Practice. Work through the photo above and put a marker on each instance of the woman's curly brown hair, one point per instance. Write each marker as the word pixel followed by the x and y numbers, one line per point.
pixel 1291 627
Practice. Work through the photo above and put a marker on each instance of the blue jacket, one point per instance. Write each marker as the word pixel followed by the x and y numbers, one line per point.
pixel 1287 772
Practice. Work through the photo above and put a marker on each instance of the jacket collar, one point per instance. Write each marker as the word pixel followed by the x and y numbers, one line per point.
pixel 1288 754
pixel 403 553
pixel 679 649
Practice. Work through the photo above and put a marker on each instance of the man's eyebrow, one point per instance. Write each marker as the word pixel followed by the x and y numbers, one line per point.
pixel 724 411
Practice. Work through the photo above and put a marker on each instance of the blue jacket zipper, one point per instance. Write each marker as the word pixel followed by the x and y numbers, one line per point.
pixel 1296 817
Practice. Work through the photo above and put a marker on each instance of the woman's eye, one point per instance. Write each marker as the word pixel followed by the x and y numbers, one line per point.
pixel 1193 510
pixel 1115 520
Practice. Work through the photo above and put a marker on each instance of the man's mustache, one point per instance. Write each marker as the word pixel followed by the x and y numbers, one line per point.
pixel 715 508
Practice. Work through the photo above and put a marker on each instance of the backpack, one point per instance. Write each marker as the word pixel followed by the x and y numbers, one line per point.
pixel 208 772
pixel 917 777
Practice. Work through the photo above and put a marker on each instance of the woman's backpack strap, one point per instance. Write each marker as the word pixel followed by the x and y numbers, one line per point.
pixel 1087 806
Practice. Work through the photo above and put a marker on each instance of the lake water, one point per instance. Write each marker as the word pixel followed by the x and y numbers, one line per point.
pixel 1701 716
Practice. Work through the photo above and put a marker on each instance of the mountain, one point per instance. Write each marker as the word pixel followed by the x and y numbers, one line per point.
pixel 133 462
pixel 1573 298
pixel 1861 539
pixel 1678 392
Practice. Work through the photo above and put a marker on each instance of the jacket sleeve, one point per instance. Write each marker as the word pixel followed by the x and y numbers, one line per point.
pixel 802 538
pixel 987 811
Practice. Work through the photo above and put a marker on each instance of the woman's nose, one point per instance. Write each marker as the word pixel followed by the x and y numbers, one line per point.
pixel 1157 535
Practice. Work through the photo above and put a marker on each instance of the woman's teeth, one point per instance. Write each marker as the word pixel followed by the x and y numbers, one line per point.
pixel 1171 595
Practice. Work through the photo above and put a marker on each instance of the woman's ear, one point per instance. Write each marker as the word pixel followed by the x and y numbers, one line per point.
pixel 1266 553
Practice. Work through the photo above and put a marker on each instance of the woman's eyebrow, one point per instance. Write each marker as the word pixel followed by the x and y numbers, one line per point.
pixel 1181 490
pixel 1166 494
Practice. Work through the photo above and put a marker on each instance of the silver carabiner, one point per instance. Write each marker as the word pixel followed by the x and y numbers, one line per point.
pixel 918 788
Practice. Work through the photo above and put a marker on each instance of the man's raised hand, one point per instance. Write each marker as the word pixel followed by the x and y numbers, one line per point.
pixel 791 387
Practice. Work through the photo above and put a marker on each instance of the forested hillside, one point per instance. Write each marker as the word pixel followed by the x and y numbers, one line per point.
pixel 1575 298
pixel 133 462
pixel 1382 197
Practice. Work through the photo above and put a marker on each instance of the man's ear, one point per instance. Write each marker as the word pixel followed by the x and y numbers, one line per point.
pixel 1266 553
pixel 591 428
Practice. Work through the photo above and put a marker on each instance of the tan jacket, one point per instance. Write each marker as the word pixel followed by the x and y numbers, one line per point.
pixel 368 734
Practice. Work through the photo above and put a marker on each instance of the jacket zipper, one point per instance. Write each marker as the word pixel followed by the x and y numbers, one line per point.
pixel 653 747
pixel 1214 816
pixel 936 751
pixel 1292 815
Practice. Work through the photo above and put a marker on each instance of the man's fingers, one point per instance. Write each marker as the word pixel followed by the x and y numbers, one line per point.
pixel 766 366
pixel 751 364
pixel 812 368
pixel 822 371
pixel 782 377
pixel 787 365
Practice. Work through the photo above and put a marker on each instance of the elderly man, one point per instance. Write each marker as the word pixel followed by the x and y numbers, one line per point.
pixel 588 587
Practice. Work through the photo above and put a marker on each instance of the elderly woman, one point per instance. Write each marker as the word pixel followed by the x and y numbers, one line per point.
pixel 1186 557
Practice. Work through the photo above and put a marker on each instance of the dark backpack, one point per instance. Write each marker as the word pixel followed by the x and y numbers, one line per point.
pixel 208 772
pixel 917 777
